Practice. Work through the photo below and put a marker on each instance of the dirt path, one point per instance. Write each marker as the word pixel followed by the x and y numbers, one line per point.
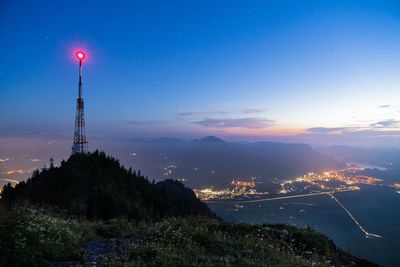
pixel 96 250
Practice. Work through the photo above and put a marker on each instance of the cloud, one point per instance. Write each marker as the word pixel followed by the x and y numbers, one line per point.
pixel 220 112
pixel 247 123
pixel 202 113
pixel 326 130
pixel 350 136
pixel 144 123
pixel 384 106
pixel 385 124
pixel 252 111
pixel 391 123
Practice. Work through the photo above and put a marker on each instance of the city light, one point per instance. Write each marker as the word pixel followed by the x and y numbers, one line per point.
pixel 312 183
pixel 332 180
pixel 239 188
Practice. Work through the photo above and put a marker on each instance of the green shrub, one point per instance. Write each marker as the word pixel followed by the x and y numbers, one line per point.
pixel 117 227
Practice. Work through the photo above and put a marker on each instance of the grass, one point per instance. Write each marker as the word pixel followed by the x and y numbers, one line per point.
pixel 199 241
pixel 33 236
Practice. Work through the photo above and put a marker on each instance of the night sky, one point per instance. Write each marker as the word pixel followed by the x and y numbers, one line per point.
pixel 309 71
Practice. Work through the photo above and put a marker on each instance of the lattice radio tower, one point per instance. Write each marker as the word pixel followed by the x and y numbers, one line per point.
pixel 80 143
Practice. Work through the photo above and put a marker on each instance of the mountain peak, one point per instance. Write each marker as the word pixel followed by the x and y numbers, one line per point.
pixel 210 139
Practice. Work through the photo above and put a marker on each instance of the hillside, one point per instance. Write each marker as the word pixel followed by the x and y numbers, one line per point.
pixel 98 187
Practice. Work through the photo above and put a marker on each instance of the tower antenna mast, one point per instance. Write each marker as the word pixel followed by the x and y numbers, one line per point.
pixel 80 144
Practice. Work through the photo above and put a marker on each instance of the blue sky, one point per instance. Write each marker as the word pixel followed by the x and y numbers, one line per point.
pixel 314 71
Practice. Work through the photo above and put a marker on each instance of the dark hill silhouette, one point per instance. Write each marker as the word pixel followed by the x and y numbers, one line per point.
pixel 98 187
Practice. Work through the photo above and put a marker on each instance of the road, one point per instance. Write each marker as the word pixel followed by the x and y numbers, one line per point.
pixel 330 193
pixel 367 234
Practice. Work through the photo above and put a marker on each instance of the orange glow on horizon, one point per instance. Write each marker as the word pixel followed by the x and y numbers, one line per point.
pixel 265 132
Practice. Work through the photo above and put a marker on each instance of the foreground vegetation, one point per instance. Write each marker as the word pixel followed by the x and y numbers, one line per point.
pixel 31 236
pixel 200 241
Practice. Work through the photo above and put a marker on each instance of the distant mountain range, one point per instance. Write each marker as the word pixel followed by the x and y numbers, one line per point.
pixel 213 161
pixel 384 157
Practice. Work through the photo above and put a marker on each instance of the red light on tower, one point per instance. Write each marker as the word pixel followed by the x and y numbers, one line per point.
pixel 80 55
